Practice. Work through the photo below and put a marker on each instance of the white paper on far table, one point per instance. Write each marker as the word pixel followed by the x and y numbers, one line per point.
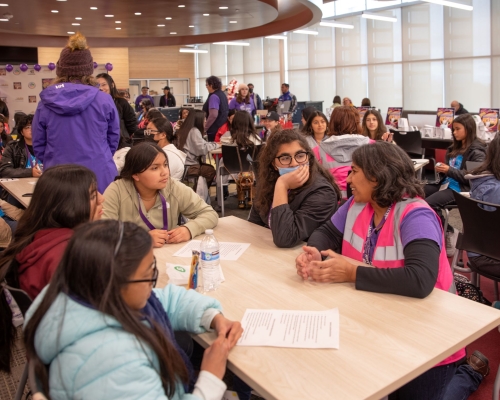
pixel 287 328
pixel 229 251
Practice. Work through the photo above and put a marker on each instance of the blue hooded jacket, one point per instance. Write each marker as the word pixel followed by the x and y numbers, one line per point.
pixel 77 124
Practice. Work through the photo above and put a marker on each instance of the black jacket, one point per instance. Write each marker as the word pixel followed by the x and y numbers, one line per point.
pixel 476 152
pixel 4 110
pixel 461 110
pixel 128 121
pixel 13 164
pixel 167 102
pixel 293 223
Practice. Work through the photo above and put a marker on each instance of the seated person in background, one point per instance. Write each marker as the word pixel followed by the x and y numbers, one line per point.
pixel 150 115
pixel 366 102
pixel 305 114
pixel 143 96
pixel 294 194
pixel 243 101
pixel 18 159
pixel 226 127
pixel 272 124
pixel 244 136
pixel 336 102
pixel 466 147
pixel 388 225
pixel 373 126
pixel 65 196
pixel 145 194
pixel 18 116
pixel 162 133
pixel 145 105
pixel 336 151
pixel 459 108
pixel 183 113
pixel 101 301
pixel 485 186
pixel 123 148
pixel 346 101
pixel 316 129
pixel 5 138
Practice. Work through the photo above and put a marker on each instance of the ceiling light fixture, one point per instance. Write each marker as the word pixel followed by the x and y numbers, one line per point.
pixel 161 25
pixel 450 4
pixel 109 15
pixel 233 22
pixel 60 0
pixel 206 15
pixel 75 24
pixel 192 51
pixel 181 6
pixel 379 17
pixel 93 8
pixel 71 33
pixel 336 25
pixel 54 11
pixel 305 32
pixel 191 26
pixel 276 37
pixel 169 18
pixel 118 22
pixel 78 18
pixel 233 43
pixel 173 33
pixel 4 20
pixel 138 13
pixel 118 28
pixel 4 5
pixel 223 8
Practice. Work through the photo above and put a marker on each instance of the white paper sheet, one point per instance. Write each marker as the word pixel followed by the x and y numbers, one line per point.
pixel 229 251
pixel 287 328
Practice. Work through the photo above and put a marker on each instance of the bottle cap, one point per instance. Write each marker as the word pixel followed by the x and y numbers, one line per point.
pixel 209 231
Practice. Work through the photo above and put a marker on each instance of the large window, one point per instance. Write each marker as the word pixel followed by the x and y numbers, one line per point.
pixel 429 57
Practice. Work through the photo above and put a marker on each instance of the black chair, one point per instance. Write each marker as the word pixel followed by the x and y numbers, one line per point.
pixel 471 165
pixel 479 234
pixel 232 165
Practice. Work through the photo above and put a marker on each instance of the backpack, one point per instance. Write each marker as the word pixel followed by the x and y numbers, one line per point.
pixel 466 289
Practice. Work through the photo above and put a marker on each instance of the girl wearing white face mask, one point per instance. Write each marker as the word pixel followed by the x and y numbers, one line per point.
pixel 294 194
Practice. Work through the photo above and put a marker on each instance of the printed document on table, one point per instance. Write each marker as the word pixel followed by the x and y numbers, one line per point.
pixel 229 251
pixel 286 328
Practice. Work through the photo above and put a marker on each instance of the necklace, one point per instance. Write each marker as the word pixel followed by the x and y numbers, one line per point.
pixel 151 198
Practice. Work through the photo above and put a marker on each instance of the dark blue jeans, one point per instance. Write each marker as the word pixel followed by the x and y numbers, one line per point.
pixel 463 384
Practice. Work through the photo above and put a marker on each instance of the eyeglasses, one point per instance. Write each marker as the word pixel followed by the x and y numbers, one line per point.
pixel 151 132
pixel 153 280
pixel 301 157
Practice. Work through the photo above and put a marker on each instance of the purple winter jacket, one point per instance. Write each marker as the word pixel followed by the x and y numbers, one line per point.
pixel 77 124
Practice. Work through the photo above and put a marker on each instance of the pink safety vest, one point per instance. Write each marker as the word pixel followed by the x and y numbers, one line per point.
pixel 388 252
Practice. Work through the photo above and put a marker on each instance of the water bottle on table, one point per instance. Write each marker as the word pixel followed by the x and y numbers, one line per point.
pixel 210 261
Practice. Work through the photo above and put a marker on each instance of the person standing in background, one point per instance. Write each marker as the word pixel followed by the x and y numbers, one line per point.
pixel 168 100
pixel 144 95
pixel 287 96
pixel 215 108
pixel 256 98
pixel 76 123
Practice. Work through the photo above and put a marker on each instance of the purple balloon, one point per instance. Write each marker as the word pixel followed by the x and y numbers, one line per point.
pixel 9 67
pixel 52 66
pixel 23 67
pixel 95 65
pixel 109 67
pixel 37 67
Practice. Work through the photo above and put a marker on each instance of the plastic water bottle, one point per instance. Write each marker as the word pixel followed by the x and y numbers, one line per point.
pixel 210 261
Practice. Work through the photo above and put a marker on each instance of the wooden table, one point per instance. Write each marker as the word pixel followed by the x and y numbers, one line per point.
pixel 385 340
pixel 419 163
pixel 17 187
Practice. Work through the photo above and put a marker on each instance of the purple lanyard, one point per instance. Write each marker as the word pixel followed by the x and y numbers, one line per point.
pixel 30 157
pixel 164 210
pixel 367 249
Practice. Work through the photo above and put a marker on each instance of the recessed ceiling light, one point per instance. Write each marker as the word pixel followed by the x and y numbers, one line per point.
pixel 206 15
pixel 160 25
pixel 173 33
pixel 4 20
pixel 305 32
pixel 233 22
pixel 137 13
pixel 60 0
pixel 181 6
pixel 223 8
pixel 55 11
pixel 93 8
pixel 279 37
pixel 4 5
pixel 233 43
pixel 450 4
pixel 336 25
pixel 78 18
pixel 118 28
pixel 192 51
pixel 118 22
pixel 168 18
pixel 109 15
pixel 191 26
pixel 75 24
pixel 71 33
pixel 379 17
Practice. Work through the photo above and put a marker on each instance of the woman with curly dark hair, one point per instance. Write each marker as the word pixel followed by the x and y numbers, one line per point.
pixel 295 195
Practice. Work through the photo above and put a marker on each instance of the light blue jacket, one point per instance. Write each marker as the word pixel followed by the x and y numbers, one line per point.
pixel 94 358
pixel 485 188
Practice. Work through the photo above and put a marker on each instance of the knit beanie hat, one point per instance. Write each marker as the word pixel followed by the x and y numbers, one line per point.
pixel 75 59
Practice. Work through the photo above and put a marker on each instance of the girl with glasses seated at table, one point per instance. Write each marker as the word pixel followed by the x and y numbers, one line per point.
pixel 294 194
pixel 101 331
pixel 65 196
pixel 388 225
pixel 145 194
pixel 18 159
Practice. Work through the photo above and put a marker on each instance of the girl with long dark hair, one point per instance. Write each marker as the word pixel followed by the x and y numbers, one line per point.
pixel 243 101
pixel 294 194
pixel 373 126
pixel 102 306
pixel 147 196
pixel 316 128
pixel 466 147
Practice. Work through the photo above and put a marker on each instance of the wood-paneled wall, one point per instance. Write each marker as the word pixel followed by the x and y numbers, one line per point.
pixel 161 62
pixel 118 56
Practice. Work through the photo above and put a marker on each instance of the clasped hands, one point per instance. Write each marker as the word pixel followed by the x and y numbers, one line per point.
pixel 334 269
pixel 176 235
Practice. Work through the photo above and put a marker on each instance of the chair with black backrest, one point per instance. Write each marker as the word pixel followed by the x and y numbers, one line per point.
pixel 231 165
pixel 480 227
pixel 14 384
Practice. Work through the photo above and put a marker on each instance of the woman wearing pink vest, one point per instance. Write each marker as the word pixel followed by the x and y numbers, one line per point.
pixel 386 224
